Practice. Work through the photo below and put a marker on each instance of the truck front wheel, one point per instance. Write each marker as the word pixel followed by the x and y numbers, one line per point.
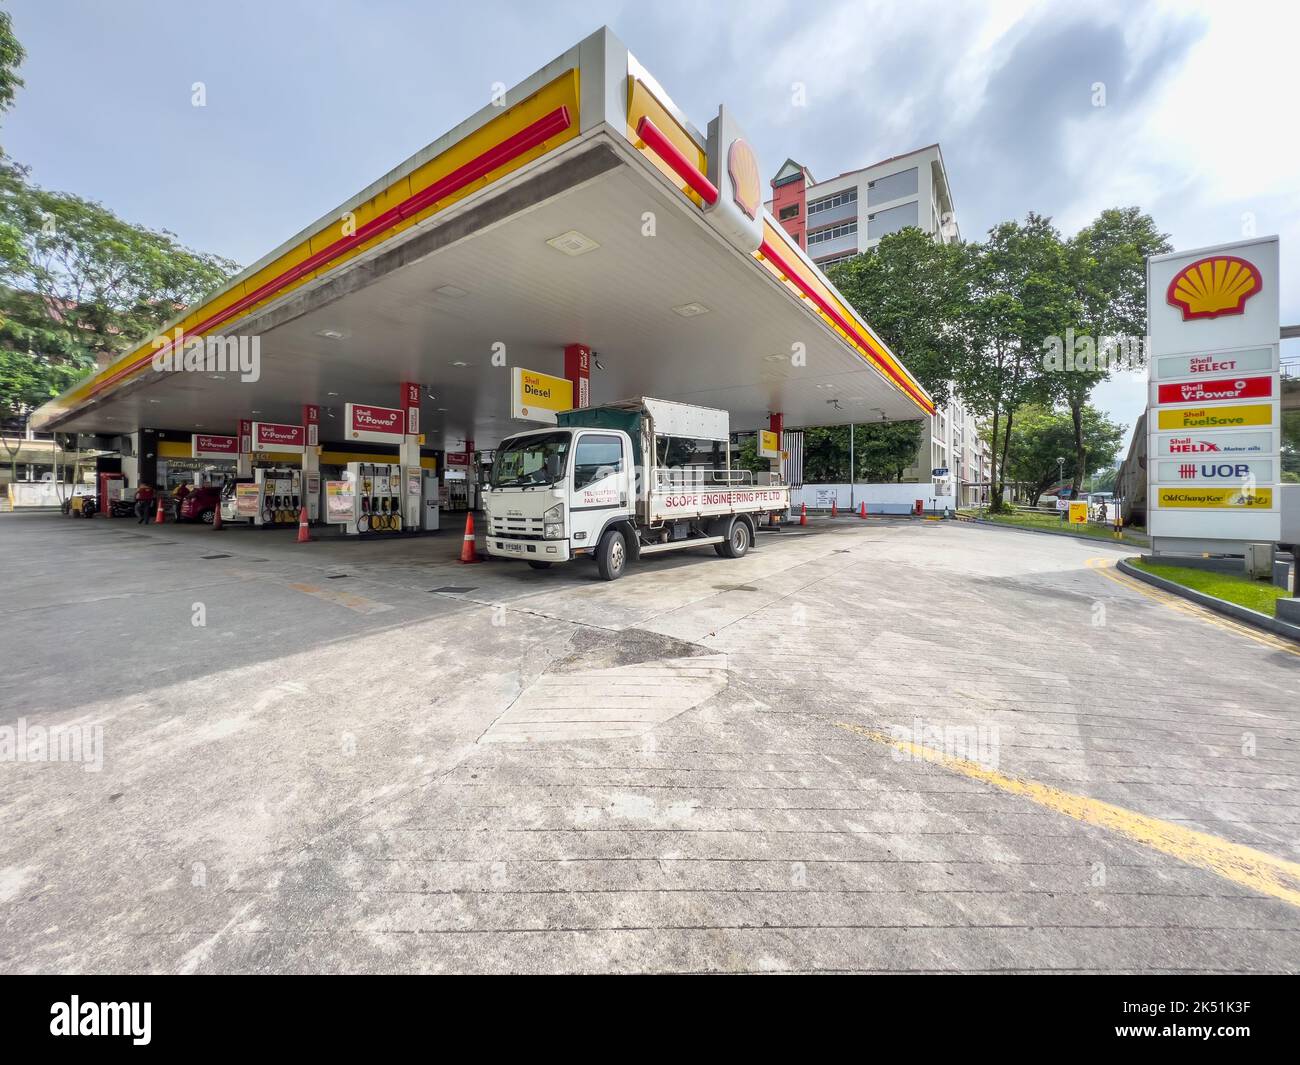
pixel 737 542
pixel 611 555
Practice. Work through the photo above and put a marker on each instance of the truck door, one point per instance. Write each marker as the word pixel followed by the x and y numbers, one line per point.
pixel 602 468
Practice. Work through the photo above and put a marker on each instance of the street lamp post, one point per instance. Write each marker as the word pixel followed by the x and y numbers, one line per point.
pixel 1060 481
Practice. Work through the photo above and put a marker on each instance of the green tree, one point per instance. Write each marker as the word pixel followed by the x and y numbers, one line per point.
pixel 11 58
pixel 1107 270
pixel 826 455
pixel 745 456
pixel 1046 434
pixel 882 451
pixel 1104 480
pixel 908 289
pixel 1018 294
pixel 78 285
pixel 107 282
pixel 1290 445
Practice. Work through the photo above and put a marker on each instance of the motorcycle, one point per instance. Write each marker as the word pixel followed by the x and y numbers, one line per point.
pixel 86 506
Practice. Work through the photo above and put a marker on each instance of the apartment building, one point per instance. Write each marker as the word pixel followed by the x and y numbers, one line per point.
pixel 837 219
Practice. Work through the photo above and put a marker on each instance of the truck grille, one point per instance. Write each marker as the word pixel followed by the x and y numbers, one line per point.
pixel 519 528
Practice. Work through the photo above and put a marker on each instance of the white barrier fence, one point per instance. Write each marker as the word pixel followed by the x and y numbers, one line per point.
pixel 25 494
pixel 880 498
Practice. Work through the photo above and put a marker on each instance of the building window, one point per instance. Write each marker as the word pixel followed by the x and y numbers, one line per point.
pixel 820 236
pixel 891 187
pixel 832 260
pixel 826 203
pixel 882 223
pixel 792 211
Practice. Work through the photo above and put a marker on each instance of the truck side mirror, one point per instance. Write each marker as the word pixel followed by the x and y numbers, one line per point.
pixel 552 467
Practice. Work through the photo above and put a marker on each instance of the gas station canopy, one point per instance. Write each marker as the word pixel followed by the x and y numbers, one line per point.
pixel 585 209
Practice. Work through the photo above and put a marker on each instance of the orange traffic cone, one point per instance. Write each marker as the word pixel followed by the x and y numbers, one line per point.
pixel 304 535
pixel 468 553
pixel 863 512
pixel 216 518
pixel 803 513
pixel 161 515
pixel 835 510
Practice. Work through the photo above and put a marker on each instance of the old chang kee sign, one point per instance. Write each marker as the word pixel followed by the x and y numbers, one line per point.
pixel 1213 409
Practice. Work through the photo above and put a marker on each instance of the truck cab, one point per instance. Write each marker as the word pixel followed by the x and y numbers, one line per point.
pixel 621 481
pixel 553 492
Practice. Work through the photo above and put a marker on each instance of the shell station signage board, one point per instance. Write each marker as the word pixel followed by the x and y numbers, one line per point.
pixel 1214 397
pixel 538 397
pixel 272 436
pixel 381 425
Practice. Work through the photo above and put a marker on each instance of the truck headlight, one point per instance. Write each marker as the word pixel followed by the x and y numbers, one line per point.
pixel 553 523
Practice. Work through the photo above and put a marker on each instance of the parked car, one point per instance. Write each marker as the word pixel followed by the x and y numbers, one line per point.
pixel 229 508
pixel 200 505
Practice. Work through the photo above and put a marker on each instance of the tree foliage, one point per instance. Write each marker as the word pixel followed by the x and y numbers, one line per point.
pixel 1018 294
pixel 78 285
pixel 11 58
pixel 980 317
pixel 908 291
pixel 882 451
pixel 1107 270
pixel 1045 434
pixel 71 267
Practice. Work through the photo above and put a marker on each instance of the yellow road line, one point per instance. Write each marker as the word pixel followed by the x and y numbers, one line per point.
pixel 359 603
pixel 1245 866
pixel 1105 566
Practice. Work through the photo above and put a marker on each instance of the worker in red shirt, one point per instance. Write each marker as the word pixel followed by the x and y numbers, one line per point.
pixel 143 500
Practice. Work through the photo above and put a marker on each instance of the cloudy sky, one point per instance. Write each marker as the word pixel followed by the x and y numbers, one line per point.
pixel 310 100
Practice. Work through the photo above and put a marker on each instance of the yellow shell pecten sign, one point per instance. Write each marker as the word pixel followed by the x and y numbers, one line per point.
pixel 746 184
pixel 1213 286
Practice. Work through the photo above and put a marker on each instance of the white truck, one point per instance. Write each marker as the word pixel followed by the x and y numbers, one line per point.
pixel 623 480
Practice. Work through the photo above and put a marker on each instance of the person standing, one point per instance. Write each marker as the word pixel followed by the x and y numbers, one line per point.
pixel 143 500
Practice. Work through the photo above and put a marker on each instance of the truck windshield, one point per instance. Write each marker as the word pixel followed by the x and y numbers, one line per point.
pixel 530 460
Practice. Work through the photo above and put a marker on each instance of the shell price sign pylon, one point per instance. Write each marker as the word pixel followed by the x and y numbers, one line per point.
pixel 1213 318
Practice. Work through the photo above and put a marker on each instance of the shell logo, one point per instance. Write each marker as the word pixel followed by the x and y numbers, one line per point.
pixel 746 187
pixel 1213 286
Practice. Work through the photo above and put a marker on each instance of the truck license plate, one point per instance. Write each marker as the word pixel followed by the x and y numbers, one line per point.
pixel 517 549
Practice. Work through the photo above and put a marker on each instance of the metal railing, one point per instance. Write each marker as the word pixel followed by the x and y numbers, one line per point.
pixel 676 477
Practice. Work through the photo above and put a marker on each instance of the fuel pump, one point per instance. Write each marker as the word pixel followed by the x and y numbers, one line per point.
pixel 376 499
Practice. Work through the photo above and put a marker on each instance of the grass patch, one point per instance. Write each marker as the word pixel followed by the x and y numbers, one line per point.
pixel 1240 589
pixel 1053 524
